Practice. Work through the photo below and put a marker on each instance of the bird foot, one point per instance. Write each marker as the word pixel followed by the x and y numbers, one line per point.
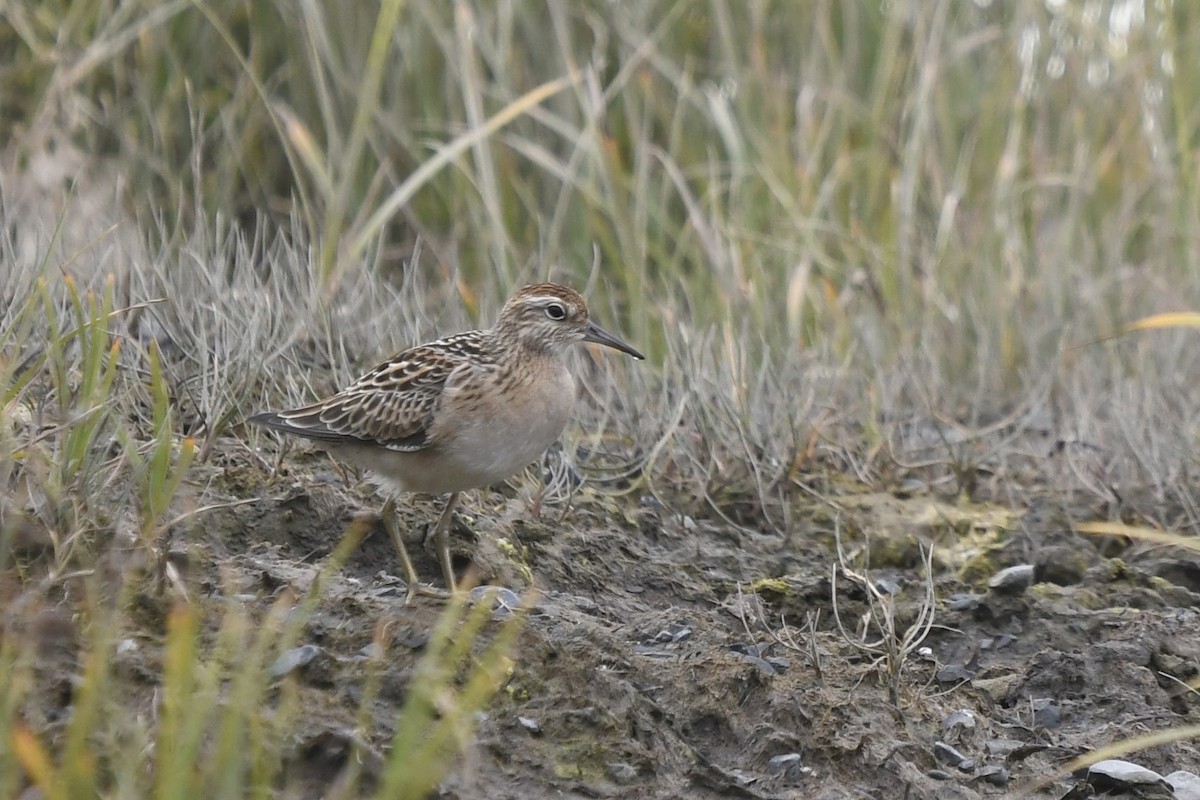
pixel 425 590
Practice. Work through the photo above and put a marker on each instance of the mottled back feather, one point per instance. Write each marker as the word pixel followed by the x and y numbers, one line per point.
pixel 395 403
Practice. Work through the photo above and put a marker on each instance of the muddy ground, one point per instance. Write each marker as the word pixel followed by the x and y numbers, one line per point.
pixel 666 654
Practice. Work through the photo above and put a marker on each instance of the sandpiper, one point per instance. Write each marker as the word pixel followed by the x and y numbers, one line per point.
pixel 458 413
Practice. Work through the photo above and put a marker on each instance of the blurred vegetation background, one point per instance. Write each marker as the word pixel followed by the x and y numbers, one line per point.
pixel 955 169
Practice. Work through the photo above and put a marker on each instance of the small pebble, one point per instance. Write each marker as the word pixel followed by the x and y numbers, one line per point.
pixel 674 632
pixel 779 764
pixel 530 724
pixel 995 775
pixel 293 660
pixel 620 772
pixel 789 766
pixel 887 586
pixel 1115 774
pixel 1185 784
pixel 948 755
pixel 957 725
pixel 963 602
pixel 1046 714
pixel 780 664
pixel 953 674
pixel 1012 579
pixel 753 649
pixel 761 663
pixel 414 640
pixel 1002 747
pixel 505 602
pixel 997 643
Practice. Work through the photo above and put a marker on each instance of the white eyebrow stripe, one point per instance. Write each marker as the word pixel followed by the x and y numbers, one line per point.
pixel 547 299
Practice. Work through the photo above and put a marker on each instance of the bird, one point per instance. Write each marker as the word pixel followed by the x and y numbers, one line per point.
pixel 462 412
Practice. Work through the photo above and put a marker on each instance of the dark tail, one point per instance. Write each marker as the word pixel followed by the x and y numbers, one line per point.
pixel 269 419
pixel 318 432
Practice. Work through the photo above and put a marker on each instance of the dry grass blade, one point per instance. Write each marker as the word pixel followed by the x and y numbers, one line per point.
pixel 446 154
pixel 1139 533
pixel 1153 322
pixel 893 647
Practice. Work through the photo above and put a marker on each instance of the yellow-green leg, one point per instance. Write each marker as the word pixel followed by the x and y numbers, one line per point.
pixel 410 572
pixel 441 538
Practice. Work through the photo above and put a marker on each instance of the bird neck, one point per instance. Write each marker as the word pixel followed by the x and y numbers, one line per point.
pixel 527 348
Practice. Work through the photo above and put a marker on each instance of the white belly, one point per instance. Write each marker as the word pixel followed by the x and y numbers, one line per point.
pixel 482 436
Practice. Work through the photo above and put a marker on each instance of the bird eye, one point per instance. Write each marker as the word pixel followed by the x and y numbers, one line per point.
pixel 556 311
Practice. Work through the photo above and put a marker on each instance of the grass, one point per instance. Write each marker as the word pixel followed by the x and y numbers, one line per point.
pixel 828 224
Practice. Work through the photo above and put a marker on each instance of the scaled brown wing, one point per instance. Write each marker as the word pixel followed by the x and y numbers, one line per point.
pixel 392 405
